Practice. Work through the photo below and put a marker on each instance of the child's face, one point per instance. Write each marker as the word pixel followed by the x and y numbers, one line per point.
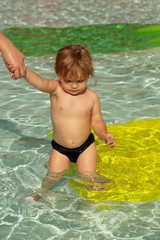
pixel 74 86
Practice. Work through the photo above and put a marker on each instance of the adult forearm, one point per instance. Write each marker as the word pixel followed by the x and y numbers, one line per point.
pixel 11 55
pixel 3 40
pixel 5 44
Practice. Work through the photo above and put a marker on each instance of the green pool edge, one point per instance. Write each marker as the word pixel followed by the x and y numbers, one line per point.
pixel 99 39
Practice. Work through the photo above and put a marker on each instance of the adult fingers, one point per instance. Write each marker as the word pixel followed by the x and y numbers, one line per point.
pixel 11 68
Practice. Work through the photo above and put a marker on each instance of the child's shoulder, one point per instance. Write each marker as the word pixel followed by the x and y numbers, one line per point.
pixel 92 93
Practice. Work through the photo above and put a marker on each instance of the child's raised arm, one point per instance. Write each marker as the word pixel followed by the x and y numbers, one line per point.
pixel 44 85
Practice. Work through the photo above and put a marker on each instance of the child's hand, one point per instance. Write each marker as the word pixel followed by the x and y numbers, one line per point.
pixel 108 138
pixel 13 70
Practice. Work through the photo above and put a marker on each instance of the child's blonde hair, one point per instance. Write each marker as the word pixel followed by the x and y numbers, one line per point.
pixel 71 59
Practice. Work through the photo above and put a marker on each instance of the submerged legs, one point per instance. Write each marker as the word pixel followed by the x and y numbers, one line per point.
pixel 48 182
pixel 95 181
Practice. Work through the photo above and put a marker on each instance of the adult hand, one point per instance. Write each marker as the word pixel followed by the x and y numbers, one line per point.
pixel 11 55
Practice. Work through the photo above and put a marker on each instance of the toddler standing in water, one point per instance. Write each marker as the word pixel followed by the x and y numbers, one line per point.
pixel 74 109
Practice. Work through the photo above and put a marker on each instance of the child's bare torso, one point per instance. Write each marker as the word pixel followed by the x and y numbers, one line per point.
pixel 71 116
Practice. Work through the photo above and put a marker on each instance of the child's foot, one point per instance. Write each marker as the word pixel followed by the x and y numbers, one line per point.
pixel 100 179
pixel 35 198
pixel 96 188
pixel 38 195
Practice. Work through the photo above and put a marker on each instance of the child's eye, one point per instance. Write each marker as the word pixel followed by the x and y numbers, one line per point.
pixel 68 81
pixel 80 81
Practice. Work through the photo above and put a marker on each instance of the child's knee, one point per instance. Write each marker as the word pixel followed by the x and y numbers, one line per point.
pixel 54 176
pixel 87 176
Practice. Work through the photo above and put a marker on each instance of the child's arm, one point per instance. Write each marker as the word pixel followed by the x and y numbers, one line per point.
pixel 11 55
pixel 44 85
pixel 99 125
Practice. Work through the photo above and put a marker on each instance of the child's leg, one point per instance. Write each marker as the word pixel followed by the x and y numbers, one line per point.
pixel 58 163
pixel 87 162
pixel 48 181
pixel 86 166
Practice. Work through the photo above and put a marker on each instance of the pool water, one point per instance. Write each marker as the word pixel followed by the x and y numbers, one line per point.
pixel 128 87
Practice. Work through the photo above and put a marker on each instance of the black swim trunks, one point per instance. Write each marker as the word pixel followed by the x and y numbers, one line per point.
pixel 73 153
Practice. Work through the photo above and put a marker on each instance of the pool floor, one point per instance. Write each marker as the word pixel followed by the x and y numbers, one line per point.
pixel 129 89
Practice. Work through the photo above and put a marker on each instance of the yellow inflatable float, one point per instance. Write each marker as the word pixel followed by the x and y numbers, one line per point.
pixel 133 164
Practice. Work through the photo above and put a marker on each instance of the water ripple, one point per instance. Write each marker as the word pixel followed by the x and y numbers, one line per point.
pixel 62 13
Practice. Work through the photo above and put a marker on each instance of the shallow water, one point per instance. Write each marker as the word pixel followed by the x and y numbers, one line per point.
pixel 131 92
pixel 60 13
pixel 129 88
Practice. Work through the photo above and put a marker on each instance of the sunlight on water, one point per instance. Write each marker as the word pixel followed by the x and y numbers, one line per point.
pixel 129 89
pixel 130 93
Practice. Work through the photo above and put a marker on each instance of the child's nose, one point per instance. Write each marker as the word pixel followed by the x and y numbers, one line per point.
pixel 74 85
